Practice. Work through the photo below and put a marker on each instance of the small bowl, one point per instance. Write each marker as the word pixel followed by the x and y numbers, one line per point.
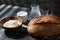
pixel 11 18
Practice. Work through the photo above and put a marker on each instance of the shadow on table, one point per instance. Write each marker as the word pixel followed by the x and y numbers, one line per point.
pixel 57 37
pixel 16 35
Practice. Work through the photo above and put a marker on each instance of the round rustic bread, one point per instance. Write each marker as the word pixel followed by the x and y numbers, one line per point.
pixel 47 25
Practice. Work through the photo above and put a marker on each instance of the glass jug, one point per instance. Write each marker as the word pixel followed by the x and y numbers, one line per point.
pixel 35 11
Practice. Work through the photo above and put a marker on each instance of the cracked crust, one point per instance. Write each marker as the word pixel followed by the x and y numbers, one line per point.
pixel 47 18
pixel 48 25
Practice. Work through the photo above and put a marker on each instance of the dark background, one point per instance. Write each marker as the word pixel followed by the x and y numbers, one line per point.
pixel 53 5
pixel 44 4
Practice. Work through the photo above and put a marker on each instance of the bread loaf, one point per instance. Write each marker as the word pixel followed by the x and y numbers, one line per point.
pixel 47 25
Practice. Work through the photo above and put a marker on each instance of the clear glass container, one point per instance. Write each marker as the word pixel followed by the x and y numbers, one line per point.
pixel 35 11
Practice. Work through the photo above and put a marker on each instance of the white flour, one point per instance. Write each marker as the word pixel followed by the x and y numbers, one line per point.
pixel 11 23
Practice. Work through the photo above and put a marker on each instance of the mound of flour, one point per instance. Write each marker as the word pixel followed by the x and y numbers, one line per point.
pixel 11 23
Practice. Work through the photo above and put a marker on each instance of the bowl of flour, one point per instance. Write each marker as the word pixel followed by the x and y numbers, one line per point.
pixel 11 23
